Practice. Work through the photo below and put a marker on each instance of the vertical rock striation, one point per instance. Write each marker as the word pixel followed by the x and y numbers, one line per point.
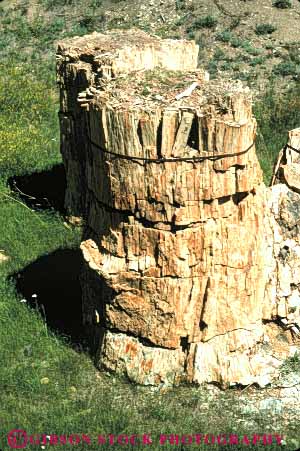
pixel 82 63
pixel 161 164
pixel 283 226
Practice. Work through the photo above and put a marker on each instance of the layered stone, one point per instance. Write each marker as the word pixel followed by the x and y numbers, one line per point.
pixel 82 64
pixel 181 246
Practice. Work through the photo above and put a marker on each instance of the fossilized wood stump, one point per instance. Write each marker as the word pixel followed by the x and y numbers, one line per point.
pixel 82 63
pixel 283 232
pixel 177 223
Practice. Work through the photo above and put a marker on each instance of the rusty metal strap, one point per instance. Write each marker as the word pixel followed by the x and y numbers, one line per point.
pixel 201 158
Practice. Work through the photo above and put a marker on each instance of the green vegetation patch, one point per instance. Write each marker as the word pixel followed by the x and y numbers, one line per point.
pixel 29 137
pixel 291 365
pixel 264 28
pixel 50 4
pixel 283 4
pixel 204 22
pixel 286 68
pixel 224 36
pixel 276 114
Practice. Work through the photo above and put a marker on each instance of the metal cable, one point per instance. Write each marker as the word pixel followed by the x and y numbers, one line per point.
pixel 288 146
pixel 171 160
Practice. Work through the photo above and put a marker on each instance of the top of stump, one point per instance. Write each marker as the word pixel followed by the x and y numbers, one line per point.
pixel 161 89
pixel 110 41
pixel 129 50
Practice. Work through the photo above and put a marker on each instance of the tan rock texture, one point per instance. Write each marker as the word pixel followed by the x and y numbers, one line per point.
pixel 284 237
pixel 161 165
pixel 82 62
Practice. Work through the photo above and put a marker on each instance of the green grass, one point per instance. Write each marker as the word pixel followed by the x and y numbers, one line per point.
pixel 224 36
pixel 292 364
pixel 283 4
pixel 235 42
pixel 180 5
pixel 76 397
pixel 28 120
pixel 204 22
pixel 250 49
pixel 50 4
pixel 286 68
pixel 276 114
pixel 264 28
pixel 256 61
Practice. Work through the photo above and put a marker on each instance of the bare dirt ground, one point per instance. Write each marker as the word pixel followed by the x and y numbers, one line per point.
pixel 226 32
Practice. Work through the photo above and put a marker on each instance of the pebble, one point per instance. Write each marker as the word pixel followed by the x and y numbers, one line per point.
pixel 3 257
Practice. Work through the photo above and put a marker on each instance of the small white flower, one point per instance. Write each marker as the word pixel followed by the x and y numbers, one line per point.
pixel 23 301
pixel 34 295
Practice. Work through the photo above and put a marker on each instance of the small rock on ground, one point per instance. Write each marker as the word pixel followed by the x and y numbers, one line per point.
pixel 3 257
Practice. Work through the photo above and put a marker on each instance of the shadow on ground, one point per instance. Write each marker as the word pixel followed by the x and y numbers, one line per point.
pixel 54 279
pixel 42 190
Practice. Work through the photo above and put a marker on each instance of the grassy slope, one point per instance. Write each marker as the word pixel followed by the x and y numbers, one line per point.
pixel 275 115
pixel 76 398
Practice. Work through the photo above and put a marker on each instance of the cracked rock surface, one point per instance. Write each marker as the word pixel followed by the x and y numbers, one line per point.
pixel 175 281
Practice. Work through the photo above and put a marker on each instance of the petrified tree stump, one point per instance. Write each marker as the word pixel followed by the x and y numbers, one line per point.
pixel 283 232
pixel 82 63
pixel 162 166
pixel 287 167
